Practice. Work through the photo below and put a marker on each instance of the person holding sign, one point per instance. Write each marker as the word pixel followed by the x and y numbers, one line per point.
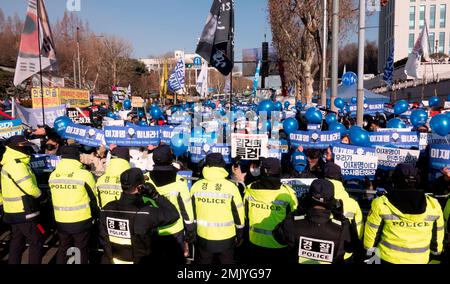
pixel 405 226
pixel 316 236
pixel 267 202
pixel 219 213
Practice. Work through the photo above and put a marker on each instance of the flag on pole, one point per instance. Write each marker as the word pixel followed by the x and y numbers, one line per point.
pixel 176 79
pixel 216 43
pixel 164 80
pixel 256 80
pixel 389 69
pixel 33 40
pixel 421 48
pixel 202 81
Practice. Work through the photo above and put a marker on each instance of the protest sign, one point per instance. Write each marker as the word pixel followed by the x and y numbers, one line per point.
pixel 9 128
pixel 51 97
pixel 74 97
pixel 356 162
pixel 315 139
pixel 395 137
pixel 198 152
pixel 79 116
pixel 299 185
pixel 132 136
pixel 389 158
pixel 439 159
pixel 33 117
pixel 84 135
pixel 40 163
pixel 370 109
pixel 432 139
pixel 249 146
pixel 137 102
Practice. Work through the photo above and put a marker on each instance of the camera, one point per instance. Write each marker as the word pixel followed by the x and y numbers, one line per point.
pixel 148 190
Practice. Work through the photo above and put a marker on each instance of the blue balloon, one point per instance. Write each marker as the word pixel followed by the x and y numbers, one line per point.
pixel 155 112
pixel 110 114
pixel 359 137
pixel 354 100
pixel 61 123
pixel 287 104
pixel 400 107
pixel 440 124
pixel 142 123
pixel 418 117
pixel 141 113
pixel 126 104
pixel 267 106
pixel 290 125
pixel 337 126
pixel 330 118
pixel 349 78
pixel 179 145
pixel 313 116
pixel 278 106
pixel 396 123
pixel 339 103
pixel 434 101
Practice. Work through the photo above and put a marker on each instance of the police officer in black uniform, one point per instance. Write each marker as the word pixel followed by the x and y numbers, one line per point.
pixel 128 225
pixel 313 236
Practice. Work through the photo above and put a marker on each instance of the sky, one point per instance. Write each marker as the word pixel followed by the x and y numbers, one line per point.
pixel 155 27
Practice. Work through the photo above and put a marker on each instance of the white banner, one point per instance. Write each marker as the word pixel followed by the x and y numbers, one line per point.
pixel 389 158
pixel 249 146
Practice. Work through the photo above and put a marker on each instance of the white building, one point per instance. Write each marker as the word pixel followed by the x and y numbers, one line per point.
pixel 157 64
pixel 401 22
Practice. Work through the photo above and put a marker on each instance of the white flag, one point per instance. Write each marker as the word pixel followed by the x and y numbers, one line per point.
pixel 421 48
pixel 202 81
pixel 32 41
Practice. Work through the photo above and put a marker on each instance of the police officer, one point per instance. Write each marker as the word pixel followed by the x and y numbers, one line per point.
pixel 266 203
pixel 351 208
pixel 164 177
pixel 219 213
pixel 314 236
pixel 74 203
pixel 108 186
pixel 405 226
pixel 20 201
pixel 128 225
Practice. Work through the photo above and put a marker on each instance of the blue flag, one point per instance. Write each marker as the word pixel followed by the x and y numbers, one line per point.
pixel 176 79
pixel 389 69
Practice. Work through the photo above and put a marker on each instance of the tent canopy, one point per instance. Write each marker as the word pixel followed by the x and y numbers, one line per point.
pixel 349 92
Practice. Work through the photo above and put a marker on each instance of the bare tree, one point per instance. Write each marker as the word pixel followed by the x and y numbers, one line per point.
pixel 296 28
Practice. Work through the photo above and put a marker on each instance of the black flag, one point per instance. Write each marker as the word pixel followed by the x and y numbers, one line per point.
pixel 217 41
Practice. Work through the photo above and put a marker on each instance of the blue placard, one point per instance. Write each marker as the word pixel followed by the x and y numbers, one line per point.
pixel 439 156
pixel 84 135
pixel 315 139
pixel 166 134
pixel 133 136
pixel 9 128
pixel 188 176
pixel 299 185
pixel 400 139
pixel 44 163
pixel 371 109
pixel 356 162
pixel 199 151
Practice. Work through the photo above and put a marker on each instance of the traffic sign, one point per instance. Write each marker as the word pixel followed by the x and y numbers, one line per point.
pixel 197 62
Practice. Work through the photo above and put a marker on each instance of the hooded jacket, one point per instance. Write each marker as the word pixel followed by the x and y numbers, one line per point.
pixel 19 203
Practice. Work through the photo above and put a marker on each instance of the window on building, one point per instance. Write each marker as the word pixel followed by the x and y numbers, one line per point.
pixel 412 17
pixel 441 42
pixel 411 42
pixel 432 16
pixel 431 40
pixel 422 16
pixel 443 16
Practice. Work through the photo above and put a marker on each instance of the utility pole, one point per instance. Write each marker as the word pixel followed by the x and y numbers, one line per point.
pixel 324 54
pixel 78 55
pixel 335 54
pixel 362 41
pixel 74 73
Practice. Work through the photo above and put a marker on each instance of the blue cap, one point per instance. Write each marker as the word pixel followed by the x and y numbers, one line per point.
pixel 299 161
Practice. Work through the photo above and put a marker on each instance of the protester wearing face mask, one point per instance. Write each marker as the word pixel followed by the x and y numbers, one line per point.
pixel 52 146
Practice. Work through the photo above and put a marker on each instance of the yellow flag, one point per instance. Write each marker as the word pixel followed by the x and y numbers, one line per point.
pixel 164 80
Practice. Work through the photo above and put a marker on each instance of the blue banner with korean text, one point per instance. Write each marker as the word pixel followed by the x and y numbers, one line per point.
pixel 133 136
pixel 41 163
pixel 84 135
pixel 397 138
pixel 9 128
pixel 356 162
pixel 199 151
pixel 371 109
pixel 315 139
